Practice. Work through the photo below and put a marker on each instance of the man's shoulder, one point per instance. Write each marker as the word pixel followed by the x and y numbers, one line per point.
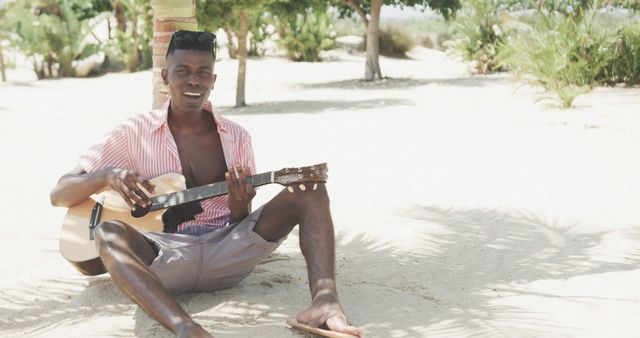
pixel 233 129
pixel 143 122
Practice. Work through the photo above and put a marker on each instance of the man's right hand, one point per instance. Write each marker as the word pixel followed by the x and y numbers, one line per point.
pixel 77 185
pixel 128 184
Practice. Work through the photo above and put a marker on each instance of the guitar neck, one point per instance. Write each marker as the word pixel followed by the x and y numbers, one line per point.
pixel 204 192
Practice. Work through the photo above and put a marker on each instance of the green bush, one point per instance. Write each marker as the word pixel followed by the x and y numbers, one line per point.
pixel 51 35
pixel 624 65
pixel 304 36
pixel 479 33
pixel 395 41
pixel 562 55
pixel 131 49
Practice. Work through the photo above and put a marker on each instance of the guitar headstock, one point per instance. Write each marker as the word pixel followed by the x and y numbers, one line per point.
pixel 311 174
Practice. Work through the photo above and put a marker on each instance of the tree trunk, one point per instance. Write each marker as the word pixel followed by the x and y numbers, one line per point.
pixel 231 46
pixel 372 68
pixel 168 16
pixel 2 70
pixel 134 56
pixel 242 57
pixel 118 13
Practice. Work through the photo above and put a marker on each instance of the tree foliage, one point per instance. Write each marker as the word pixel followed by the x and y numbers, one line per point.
pixel 369 14
pixel 447 8
pixel 306 35
pixel 52 35
pixel 131 42
pixel 235 17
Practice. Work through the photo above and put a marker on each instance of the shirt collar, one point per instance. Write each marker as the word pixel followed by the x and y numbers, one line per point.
pixel 162 114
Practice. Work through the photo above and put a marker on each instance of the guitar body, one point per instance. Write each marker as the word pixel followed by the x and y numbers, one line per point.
pixel 76 245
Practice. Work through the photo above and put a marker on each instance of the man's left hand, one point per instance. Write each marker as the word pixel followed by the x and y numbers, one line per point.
pixel 240 192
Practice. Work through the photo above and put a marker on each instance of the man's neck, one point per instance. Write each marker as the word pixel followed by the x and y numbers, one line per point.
pixel 182 122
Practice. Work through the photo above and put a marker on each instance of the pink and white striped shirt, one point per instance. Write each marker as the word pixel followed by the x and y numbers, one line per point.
pixel 145 144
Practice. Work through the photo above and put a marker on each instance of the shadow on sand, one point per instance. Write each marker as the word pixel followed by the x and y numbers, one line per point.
pixel 463 261
pixel 401 83
pixel 311 106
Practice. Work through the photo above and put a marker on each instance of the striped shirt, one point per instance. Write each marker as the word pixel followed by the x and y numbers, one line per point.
pixel 145 144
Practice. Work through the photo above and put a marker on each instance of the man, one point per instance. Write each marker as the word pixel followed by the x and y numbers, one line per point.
pixel 203 255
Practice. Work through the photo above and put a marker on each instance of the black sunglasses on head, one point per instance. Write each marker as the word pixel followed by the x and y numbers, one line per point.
pixel 192 37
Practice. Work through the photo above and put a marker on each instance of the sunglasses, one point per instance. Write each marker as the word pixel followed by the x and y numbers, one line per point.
pixel 203 38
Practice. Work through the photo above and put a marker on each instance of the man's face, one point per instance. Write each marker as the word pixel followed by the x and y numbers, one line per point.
pixel 189 76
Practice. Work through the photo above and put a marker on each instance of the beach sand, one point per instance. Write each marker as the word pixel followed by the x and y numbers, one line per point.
pixel 462 206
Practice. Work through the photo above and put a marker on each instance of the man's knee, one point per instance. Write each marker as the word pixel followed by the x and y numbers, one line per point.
pixel 314 194
pixel 109 232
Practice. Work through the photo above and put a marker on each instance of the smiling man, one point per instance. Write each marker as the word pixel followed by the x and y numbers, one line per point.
pixel 220 240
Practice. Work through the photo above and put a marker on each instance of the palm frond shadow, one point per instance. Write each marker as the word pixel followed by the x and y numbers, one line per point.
pixel 36 310
pixel 485 254
pixel 445 286
pixel 460 262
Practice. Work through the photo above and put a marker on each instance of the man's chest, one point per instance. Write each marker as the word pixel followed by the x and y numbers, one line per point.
pixel 201 158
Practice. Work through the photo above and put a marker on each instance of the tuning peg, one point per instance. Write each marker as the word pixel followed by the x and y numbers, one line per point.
pixel 302 187
pixel 315 186
pixel 290 189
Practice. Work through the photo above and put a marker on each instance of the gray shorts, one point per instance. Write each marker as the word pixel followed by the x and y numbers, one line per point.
pixel 212 261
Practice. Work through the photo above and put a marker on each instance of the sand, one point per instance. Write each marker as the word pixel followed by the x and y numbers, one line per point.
pixel 462 206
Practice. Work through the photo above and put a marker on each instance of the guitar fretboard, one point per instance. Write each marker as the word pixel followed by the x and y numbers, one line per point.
pixel 204 192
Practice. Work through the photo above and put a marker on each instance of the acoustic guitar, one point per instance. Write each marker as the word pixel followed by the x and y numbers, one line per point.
pixel 171 205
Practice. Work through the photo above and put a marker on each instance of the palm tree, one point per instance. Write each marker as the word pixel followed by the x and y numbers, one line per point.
pixel 168 17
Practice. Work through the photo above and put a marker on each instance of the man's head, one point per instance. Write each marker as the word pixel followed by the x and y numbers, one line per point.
pixel 189 72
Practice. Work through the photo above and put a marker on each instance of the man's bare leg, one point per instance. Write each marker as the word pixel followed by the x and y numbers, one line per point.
pixel 126 255
pixel 310 209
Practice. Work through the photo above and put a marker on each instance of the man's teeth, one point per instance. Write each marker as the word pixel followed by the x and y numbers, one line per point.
pixel 192 94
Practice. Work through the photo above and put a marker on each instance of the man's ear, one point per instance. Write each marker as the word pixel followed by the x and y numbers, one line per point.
pixel 164 76
pixel 215 76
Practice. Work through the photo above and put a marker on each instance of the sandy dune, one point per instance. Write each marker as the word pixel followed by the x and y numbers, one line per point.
pixel 462 207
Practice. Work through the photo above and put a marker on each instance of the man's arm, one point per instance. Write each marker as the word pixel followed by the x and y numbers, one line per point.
pixel 77 185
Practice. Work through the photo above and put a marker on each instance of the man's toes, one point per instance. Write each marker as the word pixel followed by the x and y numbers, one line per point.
pixel 338 323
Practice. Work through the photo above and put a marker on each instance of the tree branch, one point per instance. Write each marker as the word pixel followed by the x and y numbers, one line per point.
pixel 354 5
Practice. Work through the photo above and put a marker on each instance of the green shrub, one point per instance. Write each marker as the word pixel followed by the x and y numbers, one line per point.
pixel 306 35
pixel 624 65
pixel 395 41
pixel 51 35
pixel 561 55
pixel 479 33
pixel 132 48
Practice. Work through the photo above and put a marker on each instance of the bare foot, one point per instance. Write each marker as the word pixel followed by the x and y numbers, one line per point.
pixel 325 312
pixel 192 329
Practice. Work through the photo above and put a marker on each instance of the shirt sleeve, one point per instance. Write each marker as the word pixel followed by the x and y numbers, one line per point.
pixel 249 160
pixel 112 151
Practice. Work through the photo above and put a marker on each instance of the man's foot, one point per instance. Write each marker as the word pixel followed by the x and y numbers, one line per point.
pixel 325 312
pixel 192 329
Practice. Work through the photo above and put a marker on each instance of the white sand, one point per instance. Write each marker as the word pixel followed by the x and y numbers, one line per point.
pixel 462 207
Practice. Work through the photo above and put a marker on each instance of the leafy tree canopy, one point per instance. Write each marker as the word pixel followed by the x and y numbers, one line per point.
pixel 445 7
